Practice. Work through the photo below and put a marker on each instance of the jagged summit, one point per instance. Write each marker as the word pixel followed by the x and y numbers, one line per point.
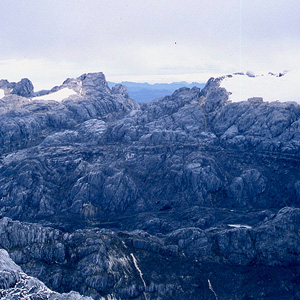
pixel 90 84
pixel 86 85
pixel 282 87
pixel 22 88
pixel 122 178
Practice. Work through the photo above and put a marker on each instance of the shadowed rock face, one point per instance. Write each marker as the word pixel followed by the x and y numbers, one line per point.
pixel 125 265
pixel 186 183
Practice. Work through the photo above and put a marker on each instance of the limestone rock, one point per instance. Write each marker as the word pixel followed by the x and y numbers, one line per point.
pixel 191 183
pixel 14 284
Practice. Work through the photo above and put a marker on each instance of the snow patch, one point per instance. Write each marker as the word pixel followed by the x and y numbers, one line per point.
pixel 140 273
pixel 1 93
pixel 57 96
pixel 270 87
pixel 211 288
pixel 239 226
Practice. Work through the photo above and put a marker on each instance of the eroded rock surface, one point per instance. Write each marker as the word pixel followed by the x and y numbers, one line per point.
pixel 15 284
pixel 151 201
pixel 101 262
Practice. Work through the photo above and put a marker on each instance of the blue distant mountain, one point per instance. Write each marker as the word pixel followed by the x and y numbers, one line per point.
pixel 145 92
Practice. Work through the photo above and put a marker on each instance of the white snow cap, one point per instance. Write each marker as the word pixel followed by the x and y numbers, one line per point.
pixel 271 87
pixel 57 96
pixel 1 93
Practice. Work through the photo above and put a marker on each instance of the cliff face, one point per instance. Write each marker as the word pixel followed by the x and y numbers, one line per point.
pixel 179 265
pixel 97 153
pixel 188 182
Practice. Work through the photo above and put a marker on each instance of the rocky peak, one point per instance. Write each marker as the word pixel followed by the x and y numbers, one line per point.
pixel 213 95
pixel 120 89
pixel 3 83
pixel 94 83
pixel 90 84
pixel 22 88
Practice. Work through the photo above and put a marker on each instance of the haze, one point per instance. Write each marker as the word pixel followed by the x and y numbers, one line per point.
pixel 154 41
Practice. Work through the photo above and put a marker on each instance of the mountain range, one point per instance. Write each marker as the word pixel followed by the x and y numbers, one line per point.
pixel 191 196
pixel 145 92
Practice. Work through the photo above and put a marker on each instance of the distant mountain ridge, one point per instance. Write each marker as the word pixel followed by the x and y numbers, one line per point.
pixel 146 92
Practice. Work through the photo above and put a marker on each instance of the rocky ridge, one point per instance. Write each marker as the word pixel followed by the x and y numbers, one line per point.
pixel 192 179
pixel 100 262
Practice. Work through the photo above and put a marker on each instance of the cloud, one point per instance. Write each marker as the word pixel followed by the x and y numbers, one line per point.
pixel 156 38
pixel 44 73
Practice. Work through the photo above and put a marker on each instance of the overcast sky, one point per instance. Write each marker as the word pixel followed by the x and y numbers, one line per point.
pixel 146 40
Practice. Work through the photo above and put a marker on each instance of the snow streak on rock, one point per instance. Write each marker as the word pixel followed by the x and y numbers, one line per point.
pixel 211 288
pixel 140 272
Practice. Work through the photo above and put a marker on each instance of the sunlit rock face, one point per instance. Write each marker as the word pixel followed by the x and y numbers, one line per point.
pixel 15 284
pixel 165 200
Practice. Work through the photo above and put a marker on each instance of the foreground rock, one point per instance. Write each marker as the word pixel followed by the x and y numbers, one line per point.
pixel 14 284
pixel 103 263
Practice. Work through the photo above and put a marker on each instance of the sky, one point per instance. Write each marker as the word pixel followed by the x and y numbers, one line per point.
pixel 146 40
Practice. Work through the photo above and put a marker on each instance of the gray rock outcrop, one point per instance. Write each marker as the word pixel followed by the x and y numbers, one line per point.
pixel 22 88
pixel 135 201
pixel 14 284
pixel 102 263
